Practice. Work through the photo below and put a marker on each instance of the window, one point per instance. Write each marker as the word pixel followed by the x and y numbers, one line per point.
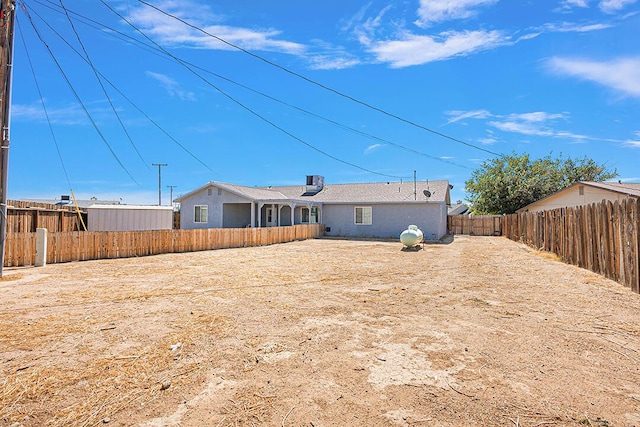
pixel 581 190
pixel 200 213
pixel 363 215
pixel 310 217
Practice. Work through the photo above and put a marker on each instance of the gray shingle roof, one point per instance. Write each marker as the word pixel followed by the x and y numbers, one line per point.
pixel 375 192
pixel 256 193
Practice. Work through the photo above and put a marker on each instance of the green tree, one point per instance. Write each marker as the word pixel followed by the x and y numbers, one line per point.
pixel 505 184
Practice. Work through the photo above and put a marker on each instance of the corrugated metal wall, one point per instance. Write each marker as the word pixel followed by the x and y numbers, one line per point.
pixel 129 218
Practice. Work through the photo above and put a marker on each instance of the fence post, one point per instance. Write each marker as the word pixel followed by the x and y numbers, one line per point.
pixel 41 247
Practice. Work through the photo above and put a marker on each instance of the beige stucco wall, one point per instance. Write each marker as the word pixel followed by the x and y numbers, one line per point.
pixel 571 197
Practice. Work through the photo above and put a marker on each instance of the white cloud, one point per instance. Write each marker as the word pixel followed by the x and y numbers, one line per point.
pixel 365 29
pixel 416 49
pixel 633 143
pixel 576 3
pixel 431 11
pixel 172 87
pixel 67 115
pixel 372 148
pixel 613 6
pixel 525 128
pixel 325 56
pixel 535 117
pixel 457 116
pixel 622 75
pixel 170 31
pixel 327 62
pixel 570 27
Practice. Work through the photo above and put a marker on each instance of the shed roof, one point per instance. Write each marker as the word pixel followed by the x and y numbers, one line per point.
pixel 131 207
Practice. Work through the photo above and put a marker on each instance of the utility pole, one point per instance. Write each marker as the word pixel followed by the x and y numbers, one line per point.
pixel 159 165
pixel 171 187
pixel 7 21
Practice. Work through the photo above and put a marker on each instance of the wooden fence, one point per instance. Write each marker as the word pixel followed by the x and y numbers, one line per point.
pixel 475 225
pixel 26 217
pixel 602 237
pixel 20 248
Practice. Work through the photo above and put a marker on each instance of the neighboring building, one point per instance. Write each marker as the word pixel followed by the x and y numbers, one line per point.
pixel 458 209
pixel 66 200
pixel 129 217
pixel 585 193
pixel 381 210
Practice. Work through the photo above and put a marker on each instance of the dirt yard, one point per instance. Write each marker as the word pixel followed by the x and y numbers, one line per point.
pixel 480 331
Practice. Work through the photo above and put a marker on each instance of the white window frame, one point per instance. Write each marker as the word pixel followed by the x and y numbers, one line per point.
pixel 312 215
pixel 365 219
pixel 198 218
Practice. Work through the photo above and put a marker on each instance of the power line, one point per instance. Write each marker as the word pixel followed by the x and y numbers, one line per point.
pixel 167 134
pixel 44 107
pixel 159 52
pixel 325 87
pixel 77 96
pixel 250 110
pixel 104 90
pixel 113 32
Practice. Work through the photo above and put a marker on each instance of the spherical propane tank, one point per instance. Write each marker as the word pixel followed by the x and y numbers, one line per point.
pixel 411 236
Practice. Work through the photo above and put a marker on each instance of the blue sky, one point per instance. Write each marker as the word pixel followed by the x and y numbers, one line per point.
pixel 354 91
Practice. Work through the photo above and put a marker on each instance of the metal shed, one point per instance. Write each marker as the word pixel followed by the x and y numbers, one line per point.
pixel 129 217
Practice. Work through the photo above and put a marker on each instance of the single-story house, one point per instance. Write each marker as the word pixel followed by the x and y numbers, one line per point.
pixel 585 193
pixel 379 210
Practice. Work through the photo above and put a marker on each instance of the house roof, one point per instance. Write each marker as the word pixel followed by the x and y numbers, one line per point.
pixel 458 209
pixel 622 188
pixel 374 192
pixel 628 188
pixel 377 192
pixel 253 193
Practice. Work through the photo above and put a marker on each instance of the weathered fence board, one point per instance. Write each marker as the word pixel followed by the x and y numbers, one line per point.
pixel 602 237
pixel 25 217
pixel 475 225
pixel 20 248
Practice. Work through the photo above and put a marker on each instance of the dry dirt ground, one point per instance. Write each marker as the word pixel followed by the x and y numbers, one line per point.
pixel 479 331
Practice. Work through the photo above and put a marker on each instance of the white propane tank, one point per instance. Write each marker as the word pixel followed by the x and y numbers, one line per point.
pixel 411 236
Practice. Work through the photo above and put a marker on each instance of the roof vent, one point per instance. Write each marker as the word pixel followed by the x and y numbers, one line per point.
pixel 315 183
